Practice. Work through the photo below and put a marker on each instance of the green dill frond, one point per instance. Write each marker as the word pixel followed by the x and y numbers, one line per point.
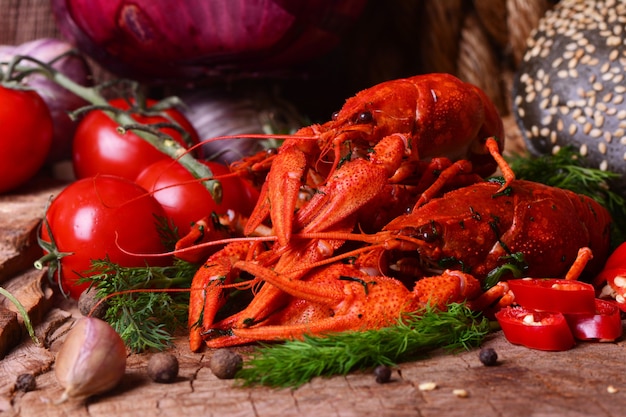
pixel 295 363
pixel 144 318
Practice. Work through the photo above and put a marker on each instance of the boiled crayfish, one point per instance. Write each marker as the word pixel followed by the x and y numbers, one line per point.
pixel 421 131
pixel 447 250
pixel 392 148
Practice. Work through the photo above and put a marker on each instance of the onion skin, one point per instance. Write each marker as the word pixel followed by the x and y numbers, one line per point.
pixel 214 113
pixel 92 359
pixel 58 99
pixel 151 40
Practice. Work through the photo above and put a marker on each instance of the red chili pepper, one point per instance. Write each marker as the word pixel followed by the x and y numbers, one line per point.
pixel 551 294
pixel 534 329
pixel 614 280
pixel 605 325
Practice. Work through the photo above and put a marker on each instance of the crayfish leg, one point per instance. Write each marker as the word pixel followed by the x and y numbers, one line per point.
pixel 207 290
pixel 447 176
pixel 583 257
pixel 508 174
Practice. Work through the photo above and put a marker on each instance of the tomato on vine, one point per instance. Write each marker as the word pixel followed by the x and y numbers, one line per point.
pixel 184 198
pixel 93 219
pixel 100 148
pixel 26 136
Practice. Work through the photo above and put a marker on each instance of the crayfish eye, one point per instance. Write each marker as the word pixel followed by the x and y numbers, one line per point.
pixel 364 117
pixel 334 116
pixel 429 232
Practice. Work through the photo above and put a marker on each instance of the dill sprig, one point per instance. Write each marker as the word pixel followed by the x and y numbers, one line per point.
pixel 144 318
pixel 296 362
pixel 566 169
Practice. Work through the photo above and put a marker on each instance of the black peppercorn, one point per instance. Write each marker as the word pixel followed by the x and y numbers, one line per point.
pixel 382 374
pixel 488 356
pixel 163 367
pixel 25 382
pixel 225 363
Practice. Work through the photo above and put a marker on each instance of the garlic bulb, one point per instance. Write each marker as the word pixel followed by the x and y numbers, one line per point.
pixel 92 359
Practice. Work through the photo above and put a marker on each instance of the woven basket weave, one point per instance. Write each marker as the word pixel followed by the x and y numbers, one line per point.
pixel 25 20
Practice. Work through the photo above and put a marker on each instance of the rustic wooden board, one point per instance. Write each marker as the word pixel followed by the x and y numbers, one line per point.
pixel 525 383
pixel 20 215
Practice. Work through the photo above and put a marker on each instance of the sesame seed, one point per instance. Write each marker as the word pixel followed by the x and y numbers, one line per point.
pixel 604 165
pixel 583 149
pixel 587 128
pixel 602 148
pixel 613 40
pixel 599 119
pixel 572 129
pixel 534 130
pixel 595 133
pixel 555 100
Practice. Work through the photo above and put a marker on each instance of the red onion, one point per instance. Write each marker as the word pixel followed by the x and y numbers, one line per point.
pixel 58 99
pixel 158 39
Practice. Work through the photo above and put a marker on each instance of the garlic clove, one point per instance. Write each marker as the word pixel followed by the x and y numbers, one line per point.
pixel 92 359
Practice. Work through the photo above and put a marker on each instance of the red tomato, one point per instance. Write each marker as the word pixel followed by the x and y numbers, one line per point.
pixel 604 324
pixel 26 136
pixel 550 294
pixel 93 217
pixel 186 200
pixel 535 330
pixel 100 149
pixel 617 259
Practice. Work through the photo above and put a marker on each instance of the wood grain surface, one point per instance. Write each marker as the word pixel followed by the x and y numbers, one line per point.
pixel 589 380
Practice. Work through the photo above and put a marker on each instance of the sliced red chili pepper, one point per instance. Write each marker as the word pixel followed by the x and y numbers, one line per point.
pixel 551 294
pixel 536 330
pixel 614 285
pixel 605 325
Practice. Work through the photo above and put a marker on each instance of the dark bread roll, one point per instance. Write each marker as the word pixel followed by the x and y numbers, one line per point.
pixel 570 88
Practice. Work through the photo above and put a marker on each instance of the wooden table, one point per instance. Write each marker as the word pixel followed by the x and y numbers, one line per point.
pixel 589 380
